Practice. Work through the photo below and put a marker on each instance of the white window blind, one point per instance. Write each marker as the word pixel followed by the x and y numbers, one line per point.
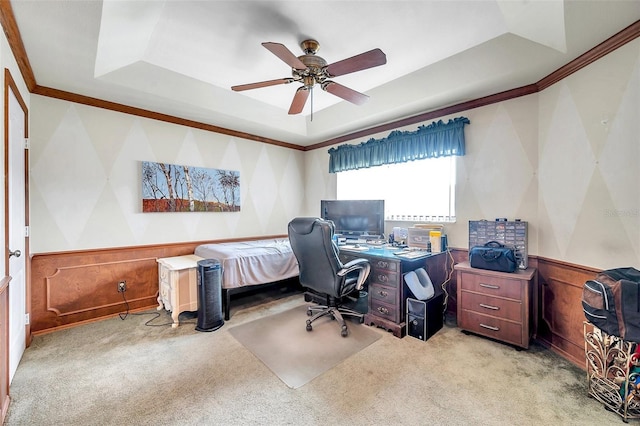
pixel 421 190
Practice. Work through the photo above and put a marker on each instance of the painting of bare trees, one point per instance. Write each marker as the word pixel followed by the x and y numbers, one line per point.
pixel 173 188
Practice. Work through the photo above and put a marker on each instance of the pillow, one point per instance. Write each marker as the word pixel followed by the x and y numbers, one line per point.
pixel 420 284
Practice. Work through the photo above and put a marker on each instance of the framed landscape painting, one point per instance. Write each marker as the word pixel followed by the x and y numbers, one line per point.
pixel 174 188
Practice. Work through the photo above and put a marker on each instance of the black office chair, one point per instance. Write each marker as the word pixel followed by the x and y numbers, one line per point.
pixel 322 271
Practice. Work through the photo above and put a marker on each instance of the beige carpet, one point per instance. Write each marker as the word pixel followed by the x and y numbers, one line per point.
pixel 123 373
pixel 295 355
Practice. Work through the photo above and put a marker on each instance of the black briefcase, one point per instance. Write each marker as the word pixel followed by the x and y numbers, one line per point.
pixel 493 256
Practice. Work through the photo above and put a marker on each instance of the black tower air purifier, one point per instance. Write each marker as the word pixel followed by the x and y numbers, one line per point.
pixel 209 295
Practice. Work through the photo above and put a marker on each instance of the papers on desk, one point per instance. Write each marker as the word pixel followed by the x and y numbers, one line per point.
pixel 353 247
pixel 412 254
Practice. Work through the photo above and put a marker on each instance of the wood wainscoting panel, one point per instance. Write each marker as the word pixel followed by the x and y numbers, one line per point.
pixel 562 317
pixel 67 287
pixel 71 288
pixel 77 287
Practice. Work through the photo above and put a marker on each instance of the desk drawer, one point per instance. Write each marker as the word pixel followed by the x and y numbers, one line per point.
pixel 383 277
pixel 494 286
pixel 500 308
pixel 384 294
pixel 384 310
pixel 493 327
pixel 387 265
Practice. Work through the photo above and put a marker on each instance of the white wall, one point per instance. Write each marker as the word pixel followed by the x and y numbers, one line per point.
pixel 86 180
pixel 589 150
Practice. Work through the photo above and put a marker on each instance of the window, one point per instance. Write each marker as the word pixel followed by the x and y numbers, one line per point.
pixel 421 190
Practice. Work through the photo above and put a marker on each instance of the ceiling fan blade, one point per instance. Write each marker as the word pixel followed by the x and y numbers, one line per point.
pixel 299 99
pixel 370 59
pixel 345 93
pixel 281 51
pixel 267 83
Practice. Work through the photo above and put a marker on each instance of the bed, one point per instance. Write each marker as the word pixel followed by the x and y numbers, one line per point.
pixel 246 264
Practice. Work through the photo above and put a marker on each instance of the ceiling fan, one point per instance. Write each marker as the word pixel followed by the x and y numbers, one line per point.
pixel 310 69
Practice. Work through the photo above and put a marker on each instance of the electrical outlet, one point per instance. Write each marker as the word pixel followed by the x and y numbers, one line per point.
pixel 122 286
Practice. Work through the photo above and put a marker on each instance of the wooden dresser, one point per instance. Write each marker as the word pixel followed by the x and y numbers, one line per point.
pixel 498 305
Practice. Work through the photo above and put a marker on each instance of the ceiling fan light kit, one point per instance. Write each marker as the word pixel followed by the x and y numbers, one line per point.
pixel 310 69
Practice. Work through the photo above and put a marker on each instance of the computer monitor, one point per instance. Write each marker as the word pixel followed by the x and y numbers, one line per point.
pixel 355 219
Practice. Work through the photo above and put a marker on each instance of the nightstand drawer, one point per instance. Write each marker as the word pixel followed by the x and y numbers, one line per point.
pixel 165 295
pixel 383 294
pixel 493 327
pixel 384 310
pixel 491 285
pixel 500 308
pixel 163 275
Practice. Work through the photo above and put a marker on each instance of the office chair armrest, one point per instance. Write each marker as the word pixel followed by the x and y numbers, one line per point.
pixel 349 266
pixel 361 265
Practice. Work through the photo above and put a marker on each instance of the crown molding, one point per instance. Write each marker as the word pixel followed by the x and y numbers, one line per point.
pixel 11 31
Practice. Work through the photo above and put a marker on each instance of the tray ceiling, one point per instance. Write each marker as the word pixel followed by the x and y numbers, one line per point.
pixel 182 57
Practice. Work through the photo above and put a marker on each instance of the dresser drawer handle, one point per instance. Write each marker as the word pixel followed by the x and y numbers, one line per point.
pixel 382 264
pixel 383 310
pixel 495 308
pixel 383 293
pixel 383 278
pixel 491 286
pixel 490 327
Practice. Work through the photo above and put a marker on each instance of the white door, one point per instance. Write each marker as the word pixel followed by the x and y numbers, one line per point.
pixel 16 249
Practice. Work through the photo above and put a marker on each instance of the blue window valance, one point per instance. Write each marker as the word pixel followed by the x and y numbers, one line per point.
pixel 437 139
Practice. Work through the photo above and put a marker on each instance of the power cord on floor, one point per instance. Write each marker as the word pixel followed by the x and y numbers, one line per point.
pixel 446 281
pixel 444 285
pixel 156 315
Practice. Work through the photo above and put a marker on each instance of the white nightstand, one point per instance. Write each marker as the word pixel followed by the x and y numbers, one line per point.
pixel 177 285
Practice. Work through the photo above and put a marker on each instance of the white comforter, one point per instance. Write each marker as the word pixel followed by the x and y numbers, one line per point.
pixel 252 262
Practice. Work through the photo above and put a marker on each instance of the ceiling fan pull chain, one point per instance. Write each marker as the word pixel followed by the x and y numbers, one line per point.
pixel 311 103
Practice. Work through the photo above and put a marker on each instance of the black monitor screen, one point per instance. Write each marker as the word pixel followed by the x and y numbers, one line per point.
pixel 355 218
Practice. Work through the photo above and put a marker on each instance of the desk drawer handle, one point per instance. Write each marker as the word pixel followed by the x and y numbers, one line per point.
pixel 491 286
pixel 495 308
pixel 490 327
pixel 383 278
pixel 383 293
pixel 383 310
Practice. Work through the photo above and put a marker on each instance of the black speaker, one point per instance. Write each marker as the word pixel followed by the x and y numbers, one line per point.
pixel 209 295
pixel 424 317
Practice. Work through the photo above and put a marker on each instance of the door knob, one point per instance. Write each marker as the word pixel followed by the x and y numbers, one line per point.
pixel 16 253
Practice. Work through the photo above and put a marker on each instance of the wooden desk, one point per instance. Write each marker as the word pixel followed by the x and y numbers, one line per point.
pixel 387 298
pixel 178 285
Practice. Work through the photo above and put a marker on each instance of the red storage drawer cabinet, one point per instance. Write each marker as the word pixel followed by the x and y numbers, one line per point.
pixel 494 304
